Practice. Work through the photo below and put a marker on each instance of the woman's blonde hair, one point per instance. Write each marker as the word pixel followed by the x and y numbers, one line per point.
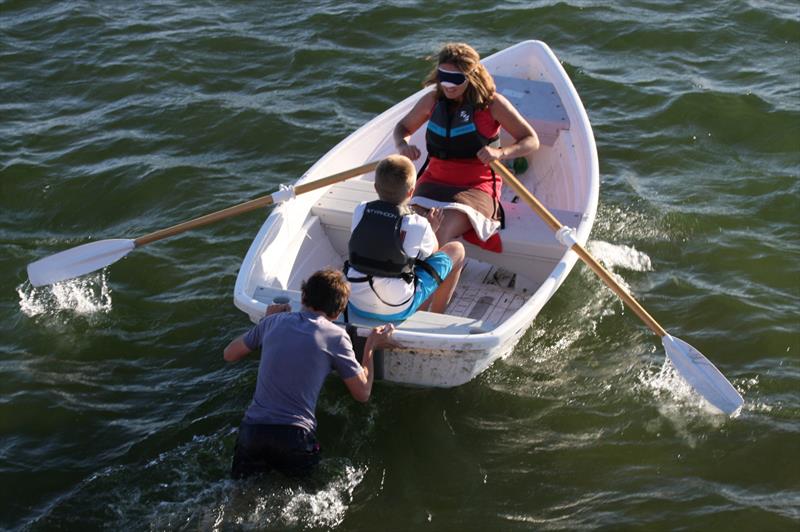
pixel 480 89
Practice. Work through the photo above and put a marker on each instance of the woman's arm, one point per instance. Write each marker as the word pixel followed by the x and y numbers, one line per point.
pixel 412 122
pixel 527 140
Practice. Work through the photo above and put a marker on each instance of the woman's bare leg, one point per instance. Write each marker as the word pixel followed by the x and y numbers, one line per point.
pixel 454 224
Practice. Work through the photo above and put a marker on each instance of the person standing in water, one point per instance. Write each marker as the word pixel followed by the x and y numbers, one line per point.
pixel 298 351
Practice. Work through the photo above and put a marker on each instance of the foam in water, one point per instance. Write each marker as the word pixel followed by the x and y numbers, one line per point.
pixel 267 504
pixel 752 405
pixel 85 296
pixel 326 507
pixel 617 256
pixel 614 256
pixel 678 402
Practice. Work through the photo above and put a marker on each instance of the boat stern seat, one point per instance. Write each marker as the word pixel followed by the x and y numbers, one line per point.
pixel 545 111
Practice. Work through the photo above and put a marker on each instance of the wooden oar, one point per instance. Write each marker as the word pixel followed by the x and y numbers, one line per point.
pixel 690 363
pixel 89 257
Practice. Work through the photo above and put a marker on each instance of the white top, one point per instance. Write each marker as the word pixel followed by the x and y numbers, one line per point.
pixel 419 241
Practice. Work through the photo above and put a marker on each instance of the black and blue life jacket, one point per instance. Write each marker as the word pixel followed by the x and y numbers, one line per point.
pixel 455 135
pixel 376 248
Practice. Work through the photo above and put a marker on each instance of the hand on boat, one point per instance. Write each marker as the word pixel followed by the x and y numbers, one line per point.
pixel 277 308
pixel 381 337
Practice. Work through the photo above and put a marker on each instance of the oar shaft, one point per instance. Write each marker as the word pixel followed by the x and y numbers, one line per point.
pixel 587 257
pixel 607 278
pixel 335 178
pixel 204 220
pixel 251 205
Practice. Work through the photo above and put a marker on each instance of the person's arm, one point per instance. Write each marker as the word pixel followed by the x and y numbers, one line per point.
pixel 238 348
pixel 412 122
pixel 360 385
pixel 527 140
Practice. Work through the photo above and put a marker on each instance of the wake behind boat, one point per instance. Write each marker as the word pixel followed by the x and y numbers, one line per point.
pixel 499 294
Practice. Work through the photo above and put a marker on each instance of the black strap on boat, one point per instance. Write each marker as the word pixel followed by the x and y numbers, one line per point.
pixel 498 212
pixel 420 263
pixel 369 279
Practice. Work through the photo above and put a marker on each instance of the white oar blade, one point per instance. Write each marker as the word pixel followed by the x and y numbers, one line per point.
pixel 702 375
pixel 78 261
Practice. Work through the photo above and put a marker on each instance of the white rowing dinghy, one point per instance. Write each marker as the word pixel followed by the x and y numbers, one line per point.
pixel 500 294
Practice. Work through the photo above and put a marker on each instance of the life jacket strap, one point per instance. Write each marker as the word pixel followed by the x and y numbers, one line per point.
pixel 411 278
pixel 430 269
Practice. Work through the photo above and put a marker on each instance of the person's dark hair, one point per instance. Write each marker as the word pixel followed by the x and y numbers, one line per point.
pixel 326 291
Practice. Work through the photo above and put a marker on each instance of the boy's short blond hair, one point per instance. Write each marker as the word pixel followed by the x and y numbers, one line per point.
pixel 395 176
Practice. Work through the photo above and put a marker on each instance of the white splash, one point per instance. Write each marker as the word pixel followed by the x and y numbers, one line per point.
pixel 677 401
pixel 325 508
pixel 625 257
pixel 291 507
pixel 86 295
pixel 668 385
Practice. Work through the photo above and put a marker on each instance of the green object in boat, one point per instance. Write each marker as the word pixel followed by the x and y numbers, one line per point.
pixel 520 165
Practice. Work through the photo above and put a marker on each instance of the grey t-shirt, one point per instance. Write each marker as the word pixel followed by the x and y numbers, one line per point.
pixel 298 350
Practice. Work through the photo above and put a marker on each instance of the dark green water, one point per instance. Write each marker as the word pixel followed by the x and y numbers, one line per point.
pixel 116 409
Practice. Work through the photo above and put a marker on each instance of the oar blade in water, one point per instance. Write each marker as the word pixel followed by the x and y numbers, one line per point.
pixel 78 261
pixel 702 375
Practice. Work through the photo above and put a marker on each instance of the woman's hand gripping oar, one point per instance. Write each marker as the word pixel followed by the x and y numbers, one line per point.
pixel 690 363
pixel 87 258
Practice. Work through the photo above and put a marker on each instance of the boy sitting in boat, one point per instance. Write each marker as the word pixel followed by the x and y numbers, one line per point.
pixel 395 264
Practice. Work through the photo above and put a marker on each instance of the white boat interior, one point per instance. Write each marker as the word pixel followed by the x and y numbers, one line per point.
pixel 499 294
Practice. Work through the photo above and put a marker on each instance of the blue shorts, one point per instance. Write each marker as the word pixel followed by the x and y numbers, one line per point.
pixel 426 285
